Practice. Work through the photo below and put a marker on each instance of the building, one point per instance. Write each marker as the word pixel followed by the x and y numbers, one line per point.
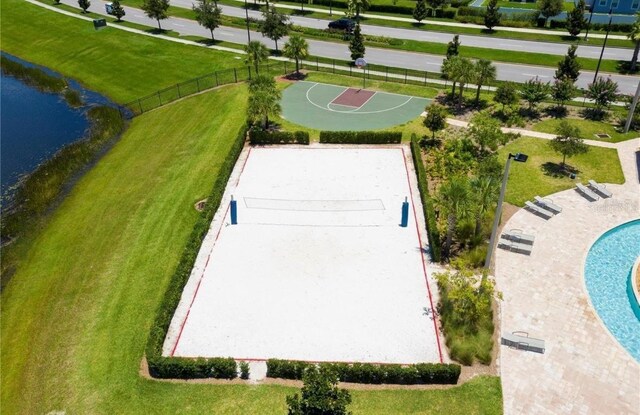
pixel 617 6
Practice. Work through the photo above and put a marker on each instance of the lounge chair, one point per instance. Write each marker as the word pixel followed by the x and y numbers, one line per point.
pixel 586 192
pixel 600 188
pixel 547 204
pixel 538 210
pixel 516 235
pixel 521 340
pixel 513 246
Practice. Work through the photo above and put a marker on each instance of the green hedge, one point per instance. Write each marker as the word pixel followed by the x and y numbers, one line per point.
pixel 174 367
pixel 361 137
pixel 427 202
pixel 261 137
pixel 421 373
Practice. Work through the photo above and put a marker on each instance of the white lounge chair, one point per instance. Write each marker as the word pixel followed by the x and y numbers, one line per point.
pixel 513 246
pixel 536 209
pixel 516 235
pixel 586 192
pixel 547 204
pixel 521 340
pixel 600 188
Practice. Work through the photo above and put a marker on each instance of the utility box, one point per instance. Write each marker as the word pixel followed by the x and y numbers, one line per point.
pixel 99 23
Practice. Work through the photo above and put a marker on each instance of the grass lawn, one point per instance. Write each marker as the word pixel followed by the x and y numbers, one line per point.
pixel 77 311
pixel 588 128
pixel 121 65
pixel 529 179
pixel 567 6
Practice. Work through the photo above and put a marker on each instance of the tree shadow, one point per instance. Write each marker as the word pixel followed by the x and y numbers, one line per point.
pixel 556 111
pixel 418 25
pixel 298 12
pixel 557 170
pixel 156 31
pixel 529 113
pixel 454 104
pixel 208 42
pixel 624 67
pixel 594 114
pixel 487 31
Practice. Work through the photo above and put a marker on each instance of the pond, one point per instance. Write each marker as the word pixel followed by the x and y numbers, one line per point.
pixel 34 125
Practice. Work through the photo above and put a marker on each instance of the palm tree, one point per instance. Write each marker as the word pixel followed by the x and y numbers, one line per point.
pixel 454 199
pixel 257 52
pixel 296 48
pixel 485 72
pixel 264 99
pixel 485 190
pixel 634 36
pixel 466 75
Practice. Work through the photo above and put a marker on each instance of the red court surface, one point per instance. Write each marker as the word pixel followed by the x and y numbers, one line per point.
pixel 353 97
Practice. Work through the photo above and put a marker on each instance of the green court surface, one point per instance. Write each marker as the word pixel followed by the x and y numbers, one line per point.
pixel 310 104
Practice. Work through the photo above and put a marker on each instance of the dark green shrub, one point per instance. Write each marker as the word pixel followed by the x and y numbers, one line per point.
pixel 258 136
pixel 244 370
pixel 422 373
pixel 427 202
pixel 361 137
pixel 184 368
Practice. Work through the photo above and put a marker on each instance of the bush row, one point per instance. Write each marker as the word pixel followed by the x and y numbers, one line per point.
pixel 174 367
pixel 427 202
pixel 421 373
pixel 361 137
pixel 260 137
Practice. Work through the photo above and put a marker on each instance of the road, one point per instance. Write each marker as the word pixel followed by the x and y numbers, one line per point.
pixel 388 57
pixel 549 48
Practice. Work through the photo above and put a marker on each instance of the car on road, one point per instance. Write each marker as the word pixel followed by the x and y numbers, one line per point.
pixel 343 23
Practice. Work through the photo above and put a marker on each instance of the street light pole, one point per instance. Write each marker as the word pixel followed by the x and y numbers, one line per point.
pixel 496 219
pixel 604 44
pixel 632 110
pixel 589 24
pixel 246 13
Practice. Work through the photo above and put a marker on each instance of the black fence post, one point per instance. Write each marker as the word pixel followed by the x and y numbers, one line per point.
pixel 198 84
pixel 235 74
pixel 140 105
pixel 386 74
pixel 405 75
pixel 216 75
pixel 159 99
pixel 317 65
pixel 425 77
pixel 334 65
pixel 350 71
pixel 178 87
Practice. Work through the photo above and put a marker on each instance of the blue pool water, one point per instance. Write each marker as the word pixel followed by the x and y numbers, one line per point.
pixel 607 272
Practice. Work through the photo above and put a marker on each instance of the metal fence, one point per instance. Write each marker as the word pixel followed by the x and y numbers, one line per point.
pixel 203 83
pixel 277 68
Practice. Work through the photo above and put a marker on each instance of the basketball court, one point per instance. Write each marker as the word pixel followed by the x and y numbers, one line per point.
pixel 317 267
pixel 337 108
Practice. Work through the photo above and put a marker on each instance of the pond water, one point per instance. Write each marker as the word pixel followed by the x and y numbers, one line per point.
pixel 34 124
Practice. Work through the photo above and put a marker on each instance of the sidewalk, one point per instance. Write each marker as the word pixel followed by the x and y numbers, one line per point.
pixel 339 13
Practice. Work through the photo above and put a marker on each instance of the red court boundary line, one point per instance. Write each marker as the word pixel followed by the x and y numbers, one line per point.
pixel 424 266
pixel 195 294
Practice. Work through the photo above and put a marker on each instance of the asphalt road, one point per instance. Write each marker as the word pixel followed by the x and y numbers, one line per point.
pixel 389 57
pixel 487 42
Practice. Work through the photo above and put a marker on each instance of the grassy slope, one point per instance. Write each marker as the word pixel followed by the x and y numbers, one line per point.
pixel 588 129
pixel 74 48
pixel 527 180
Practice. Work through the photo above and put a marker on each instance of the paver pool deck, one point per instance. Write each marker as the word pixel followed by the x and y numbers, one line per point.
pixel 584 370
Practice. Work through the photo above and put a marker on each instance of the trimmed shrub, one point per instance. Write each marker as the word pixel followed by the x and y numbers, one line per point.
pixel 244 370
pixel 260 137
pixel 471 11
pixel 361 137
pixel 421 373
pixel 184 368
pixel 427 203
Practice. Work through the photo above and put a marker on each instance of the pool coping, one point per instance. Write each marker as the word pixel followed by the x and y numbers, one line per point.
pixel 586 289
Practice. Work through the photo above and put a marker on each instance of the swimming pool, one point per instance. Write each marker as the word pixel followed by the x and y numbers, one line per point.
pixel 607 269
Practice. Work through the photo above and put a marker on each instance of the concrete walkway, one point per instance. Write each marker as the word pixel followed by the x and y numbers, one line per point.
pixel 584 370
